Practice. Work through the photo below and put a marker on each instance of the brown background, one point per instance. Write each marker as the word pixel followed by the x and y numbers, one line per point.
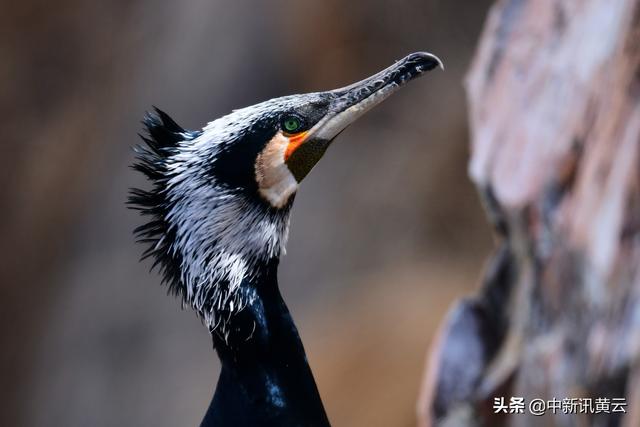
pixel 386 231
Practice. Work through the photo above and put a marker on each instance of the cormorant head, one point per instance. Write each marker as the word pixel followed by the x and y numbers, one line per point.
pixel 221 197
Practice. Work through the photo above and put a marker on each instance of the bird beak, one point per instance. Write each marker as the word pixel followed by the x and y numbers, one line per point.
pixel 352 102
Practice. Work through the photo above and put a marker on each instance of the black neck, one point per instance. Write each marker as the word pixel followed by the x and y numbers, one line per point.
pixel 265 379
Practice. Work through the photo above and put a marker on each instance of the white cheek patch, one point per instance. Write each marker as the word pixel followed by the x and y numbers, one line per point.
pixel 276 183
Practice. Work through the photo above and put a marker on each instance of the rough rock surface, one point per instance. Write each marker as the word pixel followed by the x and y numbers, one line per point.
pixel 554 95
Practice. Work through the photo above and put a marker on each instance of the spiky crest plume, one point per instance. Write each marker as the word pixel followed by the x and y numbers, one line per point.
pixel 160 142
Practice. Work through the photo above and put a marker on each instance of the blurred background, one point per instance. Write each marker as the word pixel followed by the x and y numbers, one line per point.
pixel 386 232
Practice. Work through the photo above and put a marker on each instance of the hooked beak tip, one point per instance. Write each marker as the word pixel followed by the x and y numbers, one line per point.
pixel 425 60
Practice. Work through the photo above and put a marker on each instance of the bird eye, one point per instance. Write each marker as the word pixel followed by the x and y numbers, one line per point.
pixel 291 124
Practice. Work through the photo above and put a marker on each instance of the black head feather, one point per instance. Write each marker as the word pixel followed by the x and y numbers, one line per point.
pixel 160 142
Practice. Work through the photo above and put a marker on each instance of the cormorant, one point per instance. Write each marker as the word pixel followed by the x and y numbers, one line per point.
pixel 219 218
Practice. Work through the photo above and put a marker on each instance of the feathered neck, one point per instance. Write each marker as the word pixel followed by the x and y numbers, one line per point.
pixel 265 379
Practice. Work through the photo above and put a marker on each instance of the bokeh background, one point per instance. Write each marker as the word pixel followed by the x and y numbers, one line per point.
pixel 386 232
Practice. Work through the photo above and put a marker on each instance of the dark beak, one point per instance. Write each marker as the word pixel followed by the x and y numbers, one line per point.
pixel 351 102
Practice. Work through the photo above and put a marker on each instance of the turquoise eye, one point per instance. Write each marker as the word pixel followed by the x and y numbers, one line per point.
pixel 291 124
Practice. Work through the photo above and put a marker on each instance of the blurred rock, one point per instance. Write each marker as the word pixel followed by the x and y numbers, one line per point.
pixel 555 112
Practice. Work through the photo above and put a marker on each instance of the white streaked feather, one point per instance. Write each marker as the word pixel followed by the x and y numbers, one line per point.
pixel 220 236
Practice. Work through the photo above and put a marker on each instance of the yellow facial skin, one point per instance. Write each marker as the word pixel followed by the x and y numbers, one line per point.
pixel 295 141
